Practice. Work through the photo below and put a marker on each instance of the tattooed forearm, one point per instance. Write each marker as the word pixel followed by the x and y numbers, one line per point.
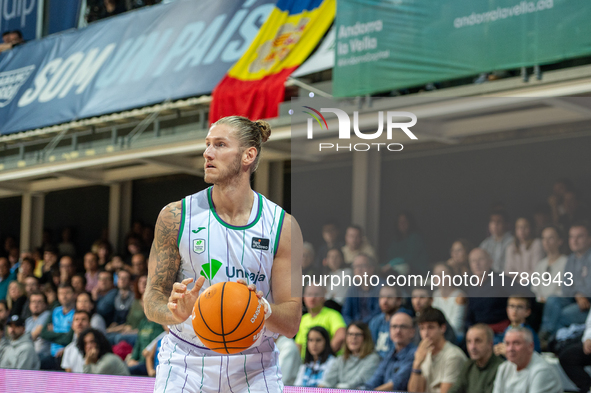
pixel 163 265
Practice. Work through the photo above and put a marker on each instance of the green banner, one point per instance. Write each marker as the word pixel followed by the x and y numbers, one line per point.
pixel 387 45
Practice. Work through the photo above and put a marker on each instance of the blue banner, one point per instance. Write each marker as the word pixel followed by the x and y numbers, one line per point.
pixel 164 52
pixel 19 15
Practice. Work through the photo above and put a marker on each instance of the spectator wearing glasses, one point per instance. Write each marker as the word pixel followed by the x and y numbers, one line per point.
pixel 394 371
pixel 518 309
pixel 355 366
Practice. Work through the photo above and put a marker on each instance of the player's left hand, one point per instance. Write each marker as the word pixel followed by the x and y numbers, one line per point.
pixel 259 294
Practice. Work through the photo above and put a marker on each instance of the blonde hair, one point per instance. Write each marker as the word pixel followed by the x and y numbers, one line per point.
pixel 249 133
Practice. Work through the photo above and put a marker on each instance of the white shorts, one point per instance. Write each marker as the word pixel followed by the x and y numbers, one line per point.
pixel 185 368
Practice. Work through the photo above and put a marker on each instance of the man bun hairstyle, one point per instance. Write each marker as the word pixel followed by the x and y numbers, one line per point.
pixel 249 133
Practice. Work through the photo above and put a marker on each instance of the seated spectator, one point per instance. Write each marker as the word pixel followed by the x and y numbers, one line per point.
pixel 31 284
pixel 575 357
pixel 26 270
pixel 318 315
pixel 73 360
pixel 361 302
pixel 318 358
pixel 478 373
pixel 40 315
pixel 104 296
pixel 525 371
pixel 50 259
pixel 379 326
pixel 524 253
pixel 84 302
pixel 134 316
pixel 556 200
pixel 498 241
pixel 331 237
pixel 289 359
pixel 564 311
pixel 518 309
pixel 449 299
pixel 62 316
pixel 103 251
pixel 98 354
pixel 124 298
pixel 152 350
pixel 421 300
pixel 16 298
pixel 355 244
pixel 574 210
pixel 50 292
pixel 309 267
pixel 92 271
pixel 139 267
pixel 393 372
pixel 5 277
pixel 334 264
pixel 408 251
pixel 78 283
pixel 458 261
pixel 554 263
pixel 356 365
pixel 437 362
pixel 147 331
pixel 19 353
pixel 67 269
pixel 484 304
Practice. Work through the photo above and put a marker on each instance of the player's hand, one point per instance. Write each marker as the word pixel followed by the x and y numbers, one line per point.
pixel 424 348
pixel 587 347
pixel 181 301
pixel 251 287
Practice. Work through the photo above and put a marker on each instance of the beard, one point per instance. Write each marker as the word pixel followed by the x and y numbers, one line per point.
pixel 226 176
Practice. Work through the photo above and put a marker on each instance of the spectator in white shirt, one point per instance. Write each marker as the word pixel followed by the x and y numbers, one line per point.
pixel 73 360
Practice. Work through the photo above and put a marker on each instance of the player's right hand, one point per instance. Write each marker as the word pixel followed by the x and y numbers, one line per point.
pixel 181 301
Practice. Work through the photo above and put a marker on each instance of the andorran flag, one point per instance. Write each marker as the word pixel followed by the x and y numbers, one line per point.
pixel 254 86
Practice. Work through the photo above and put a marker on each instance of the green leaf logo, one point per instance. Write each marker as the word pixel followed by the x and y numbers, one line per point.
pixel 210 268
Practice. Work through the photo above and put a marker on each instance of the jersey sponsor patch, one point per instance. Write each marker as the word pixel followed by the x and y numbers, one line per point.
pixel 198 245
pixel 259 243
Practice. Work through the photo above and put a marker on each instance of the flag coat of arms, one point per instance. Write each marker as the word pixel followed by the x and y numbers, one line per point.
pixel 254 86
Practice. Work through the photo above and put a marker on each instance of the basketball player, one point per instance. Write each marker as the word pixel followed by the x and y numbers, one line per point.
pixel 220 234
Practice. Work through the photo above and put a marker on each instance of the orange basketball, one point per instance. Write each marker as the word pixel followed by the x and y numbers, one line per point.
pixel 228 317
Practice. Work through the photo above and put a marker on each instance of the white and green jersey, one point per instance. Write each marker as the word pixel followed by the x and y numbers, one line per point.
pixel 222 252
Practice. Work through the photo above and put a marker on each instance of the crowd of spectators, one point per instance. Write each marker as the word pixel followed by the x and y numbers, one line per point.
pixel 62 310
pixel 457 338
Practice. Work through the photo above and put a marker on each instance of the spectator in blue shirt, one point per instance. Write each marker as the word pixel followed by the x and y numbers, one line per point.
pixel 62 316
pixel 5 277
pixel 394 371
pixel 379 326
pixel 361 303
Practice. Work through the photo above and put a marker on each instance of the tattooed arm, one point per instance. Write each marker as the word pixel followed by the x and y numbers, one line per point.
pixel 167 302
